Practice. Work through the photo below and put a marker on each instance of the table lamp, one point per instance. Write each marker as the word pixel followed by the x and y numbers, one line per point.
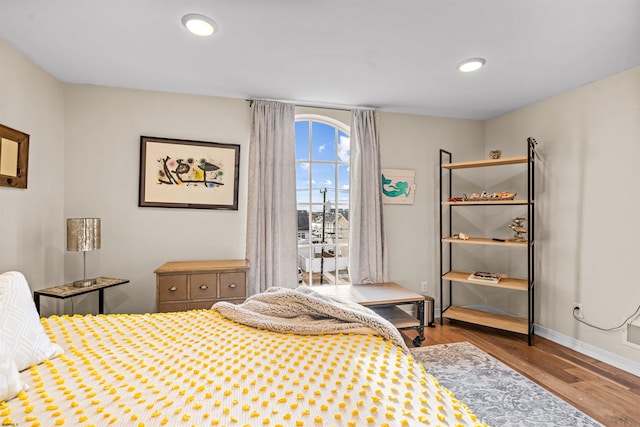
pixel 83 234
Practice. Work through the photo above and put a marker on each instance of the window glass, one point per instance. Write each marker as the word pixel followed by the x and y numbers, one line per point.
pixel 344 147
pixel 323 138
pixel 303 188
pixel 343 184
pixel 302 140
pixel 322 192
pixel 323 179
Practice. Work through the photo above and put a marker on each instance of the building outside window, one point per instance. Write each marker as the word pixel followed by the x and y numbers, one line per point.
pixel 322 195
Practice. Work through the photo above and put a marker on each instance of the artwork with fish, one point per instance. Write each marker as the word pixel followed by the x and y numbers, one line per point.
pixel 398 186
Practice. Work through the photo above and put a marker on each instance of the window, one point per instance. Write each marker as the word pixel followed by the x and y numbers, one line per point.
pixel 322 195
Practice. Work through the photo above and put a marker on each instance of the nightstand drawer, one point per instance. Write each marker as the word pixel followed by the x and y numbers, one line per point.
pixel 203 286
pixel 232 285
pixel 172 287
pixel 193 285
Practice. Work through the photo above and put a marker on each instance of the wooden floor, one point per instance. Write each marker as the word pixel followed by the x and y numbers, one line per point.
pixel 607 394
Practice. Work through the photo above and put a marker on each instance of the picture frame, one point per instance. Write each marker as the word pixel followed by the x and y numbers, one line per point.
pixel 14 158
pixel 179 173
pixel 398 186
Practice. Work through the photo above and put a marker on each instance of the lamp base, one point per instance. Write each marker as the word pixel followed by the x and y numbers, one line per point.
pixel 84 283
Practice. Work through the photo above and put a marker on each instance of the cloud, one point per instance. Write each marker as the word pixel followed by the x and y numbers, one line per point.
pixel 321 148
pixel 304 166
pixel 344 148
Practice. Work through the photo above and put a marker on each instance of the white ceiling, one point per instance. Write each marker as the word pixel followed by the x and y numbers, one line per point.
pixel 395 55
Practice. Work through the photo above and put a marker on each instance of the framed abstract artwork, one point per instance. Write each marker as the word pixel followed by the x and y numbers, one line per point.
pixel 176 173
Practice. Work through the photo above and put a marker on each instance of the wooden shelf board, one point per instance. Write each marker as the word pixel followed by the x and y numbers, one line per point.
pixel 486 162
pixel 484 241
pixel 487 202
pixel 485 318
pixel 504 283
pixel 397 316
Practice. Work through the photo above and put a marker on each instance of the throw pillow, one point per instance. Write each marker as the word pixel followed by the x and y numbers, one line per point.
pixel 10 383
pixel 20 327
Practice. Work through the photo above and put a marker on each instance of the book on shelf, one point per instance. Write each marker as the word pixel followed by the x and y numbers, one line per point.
pixel 482 276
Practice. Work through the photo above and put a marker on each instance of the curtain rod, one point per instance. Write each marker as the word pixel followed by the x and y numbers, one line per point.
pixel 320 106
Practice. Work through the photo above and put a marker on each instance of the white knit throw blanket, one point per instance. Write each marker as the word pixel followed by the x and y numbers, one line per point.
pixel 303 311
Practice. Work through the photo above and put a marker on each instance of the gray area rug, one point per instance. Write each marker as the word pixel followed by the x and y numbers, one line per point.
pixel 498 395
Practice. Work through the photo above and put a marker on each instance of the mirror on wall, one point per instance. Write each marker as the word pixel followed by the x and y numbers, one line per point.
pixel 14 157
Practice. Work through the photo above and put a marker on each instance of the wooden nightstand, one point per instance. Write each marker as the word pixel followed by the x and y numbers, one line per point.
pixel 191 285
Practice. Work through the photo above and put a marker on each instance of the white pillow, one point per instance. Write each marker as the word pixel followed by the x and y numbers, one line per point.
pixel 20 327
pixel 10 384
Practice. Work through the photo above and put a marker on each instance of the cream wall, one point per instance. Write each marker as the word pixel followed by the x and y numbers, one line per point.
pixel 412 231
pixel 31 220
pixel 84 161
pixel 587 204
pixel 102 157
pixel 102 133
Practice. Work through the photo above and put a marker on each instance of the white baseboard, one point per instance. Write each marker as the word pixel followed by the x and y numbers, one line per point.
pixel 589 350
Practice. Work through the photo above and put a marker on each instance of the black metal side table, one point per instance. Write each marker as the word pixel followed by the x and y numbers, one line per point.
pixel 68 291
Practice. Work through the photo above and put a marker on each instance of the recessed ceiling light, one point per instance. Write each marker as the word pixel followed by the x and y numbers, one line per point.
pixel 199 25
pixel 471 64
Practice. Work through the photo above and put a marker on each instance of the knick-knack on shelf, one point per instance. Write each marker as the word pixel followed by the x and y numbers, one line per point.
pixel 495 154
pixel 518 228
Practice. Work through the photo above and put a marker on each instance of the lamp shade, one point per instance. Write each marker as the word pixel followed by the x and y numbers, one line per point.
pixel 83 234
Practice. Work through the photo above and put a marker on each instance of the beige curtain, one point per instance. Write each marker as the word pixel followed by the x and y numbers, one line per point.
pixel 271 208
pixel 367 246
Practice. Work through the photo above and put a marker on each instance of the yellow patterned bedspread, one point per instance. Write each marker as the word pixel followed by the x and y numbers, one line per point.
pixel 198 369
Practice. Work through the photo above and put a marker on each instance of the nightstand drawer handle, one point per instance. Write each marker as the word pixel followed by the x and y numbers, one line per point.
pixel 173 289
pixel 203 287
pixel 233 285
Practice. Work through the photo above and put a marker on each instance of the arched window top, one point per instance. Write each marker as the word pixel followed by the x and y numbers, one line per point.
pixel 324 119
pixel 322 139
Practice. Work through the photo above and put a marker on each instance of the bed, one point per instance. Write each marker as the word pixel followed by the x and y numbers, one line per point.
pixel 198 368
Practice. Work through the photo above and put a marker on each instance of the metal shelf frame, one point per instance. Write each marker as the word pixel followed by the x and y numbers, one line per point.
pixel 448 276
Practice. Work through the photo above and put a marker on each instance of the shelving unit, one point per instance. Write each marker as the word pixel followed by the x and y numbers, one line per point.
pixel 449 276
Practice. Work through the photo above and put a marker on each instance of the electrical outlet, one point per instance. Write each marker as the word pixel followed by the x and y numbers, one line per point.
pixel 577 310
pixel 424 286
